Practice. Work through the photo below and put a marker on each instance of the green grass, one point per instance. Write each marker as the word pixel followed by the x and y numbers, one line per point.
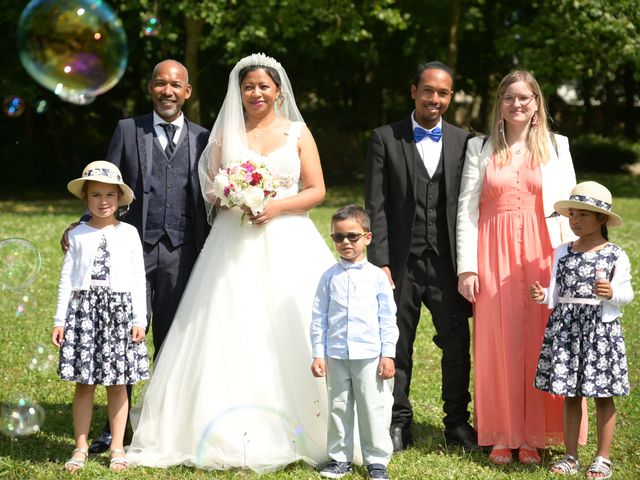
pixel 42 455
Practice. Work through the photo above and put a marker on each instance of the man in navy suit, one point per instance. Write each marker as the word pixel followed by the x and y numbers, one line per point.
pixel 158 154
pixel 412 180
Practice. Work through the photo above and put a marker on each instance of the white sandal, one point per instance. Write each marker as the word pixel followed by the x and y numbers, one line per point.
pixel 601 465
pixel 118 464
pixel 569 465
pixel 74 464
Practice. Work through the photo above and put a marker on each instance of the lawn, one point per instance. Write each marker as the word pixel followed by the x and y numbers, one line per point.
pixel 41 455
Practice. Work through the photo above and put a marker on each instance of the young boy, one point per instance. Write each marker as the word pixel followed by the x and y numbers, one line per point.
pixel 353 336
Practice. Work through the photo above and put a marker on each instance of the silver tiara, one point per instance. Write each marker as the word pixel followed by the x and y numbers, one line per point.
pixel 259 59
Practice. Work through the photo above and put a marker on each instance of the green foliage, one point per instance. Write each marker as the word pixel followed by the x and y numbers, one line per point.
pixel 350 63
pixel 603 154
pixel 41 456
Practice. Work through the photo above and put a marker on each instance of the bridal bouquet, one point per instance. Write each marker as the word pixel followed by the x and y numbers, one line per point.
pixel 245 184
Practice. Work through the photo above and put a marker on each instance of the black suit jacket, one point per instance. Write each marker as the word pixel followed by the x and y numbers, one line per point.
pixel 390 189
pixel 131 150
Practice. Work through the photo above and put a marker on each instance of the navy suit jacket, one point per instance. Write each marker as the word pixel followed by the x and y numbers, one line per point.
pixel 131 150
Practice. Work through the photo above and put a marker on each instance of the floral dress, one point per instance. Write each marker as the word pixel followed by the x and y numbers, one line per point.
pixel 581 355
pixel 97 346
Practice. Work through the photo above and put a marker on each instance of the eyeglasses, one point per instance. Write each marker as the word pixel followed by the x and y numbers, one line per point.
pixel 523 99
pixel 351 236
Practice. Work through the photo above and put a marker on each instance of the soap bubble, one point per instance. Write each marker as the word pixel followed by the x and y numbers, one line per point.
pixel 13 106
pixel 150 25
pixel 75 48
pixel 41 106
pixel 242 429
pixel 19 263
pixel 20 416
pixel 25 303
pixel 42 359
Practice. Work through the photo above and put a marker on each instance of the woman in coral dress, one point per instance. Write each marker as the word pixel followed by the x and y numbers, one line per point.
pixel 506 234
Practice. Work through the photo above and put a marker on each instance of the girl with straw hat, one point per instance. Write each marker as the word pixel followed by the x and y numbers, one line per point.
pixel 101 316
pixel 583 351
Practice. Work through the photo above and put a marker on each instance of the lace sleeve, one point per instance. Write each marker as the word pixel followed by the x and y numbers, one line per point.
pixel 208 166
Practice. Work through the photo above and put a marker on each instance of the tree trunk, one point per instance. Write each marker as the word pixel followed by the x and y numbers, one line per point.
pixel 629 112
pixel 194 33
pixel 454 24
pixel 587 108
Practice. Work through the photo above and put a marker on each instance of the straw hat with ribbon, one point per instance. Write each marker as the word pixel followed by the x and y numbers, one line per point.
pixel 104 172
pixel 589 196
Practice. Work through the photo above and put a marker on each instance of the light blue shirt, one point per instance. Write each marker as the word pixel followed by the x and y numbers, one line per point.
pixel 354 314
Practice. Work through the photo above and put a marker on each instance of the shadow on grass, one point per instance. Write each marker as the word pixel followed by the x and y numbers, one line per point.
pixel 55 440
pixel 49 207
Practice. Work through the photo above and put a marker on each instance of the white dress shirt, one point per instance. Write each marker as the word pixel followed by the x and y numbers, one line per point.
pixel 429 150
pixel 354 314
pixel 162 136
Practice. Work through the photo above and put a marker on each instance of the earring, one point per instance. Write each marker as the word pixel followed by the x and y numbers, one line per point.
pixel 534 121
pixel 501 126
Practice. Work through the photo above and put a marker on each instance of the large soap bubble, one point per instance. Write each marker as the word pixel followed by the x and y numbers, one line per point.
pixel 76 48
pixel 19 263
pixel 244 429
pixel 20 416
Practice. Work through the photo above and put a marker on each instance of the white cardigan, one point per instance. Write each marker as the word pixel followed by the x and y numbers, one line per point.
pixel 558 179
pixel 620 284
pixel 127 273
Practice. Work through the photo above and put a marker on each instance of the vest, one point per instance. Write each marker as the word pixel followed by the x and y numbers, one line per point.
pixel 169 200
pixel 430 232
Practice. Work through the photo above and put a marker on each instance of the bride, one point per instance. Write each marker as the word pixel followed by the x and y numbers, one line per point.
pixel 232 386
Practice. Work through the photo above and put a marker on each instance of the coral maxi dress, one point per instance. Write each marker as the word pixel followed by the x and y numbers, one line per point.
pixel 514 251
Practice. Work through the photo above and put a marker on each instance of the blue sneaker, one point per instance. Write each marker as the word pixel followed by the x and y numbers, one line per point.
pixel 377 470
pixel 335 469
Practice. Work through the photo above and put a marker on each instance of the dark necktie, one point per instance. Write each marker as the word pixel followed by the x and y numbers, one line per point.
pixel 170 131
pixel 420 133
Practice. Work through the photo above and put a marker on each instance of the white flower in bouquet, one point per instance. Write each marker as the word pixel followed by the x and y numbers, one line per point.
pixel 245 184
pixel 254 199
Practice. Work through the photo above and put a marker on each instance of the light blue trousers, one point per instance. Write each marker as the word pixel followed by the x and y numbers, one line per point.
pixel 355 384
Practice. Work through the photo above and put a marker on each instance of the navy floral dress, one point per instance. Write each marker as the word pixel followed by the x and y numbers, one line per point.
pixel 97 346
pixel 581 355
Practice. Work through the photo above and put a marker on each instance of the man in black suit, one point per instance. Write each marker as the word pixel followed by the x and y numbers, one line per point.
pixel 158 154
pixel 412 180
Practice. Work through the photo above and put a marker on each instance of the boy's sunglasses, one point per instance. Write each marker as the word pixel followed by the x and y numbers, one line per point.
pixel 351 236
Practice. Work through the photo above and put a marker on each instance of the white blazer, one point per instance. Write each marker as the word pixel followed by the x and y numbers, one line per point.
pixel 127 273
pixel 558 179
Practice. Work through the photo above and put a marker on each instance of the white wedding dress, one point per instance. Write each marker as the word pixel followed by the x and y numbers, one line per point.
pixel 232 387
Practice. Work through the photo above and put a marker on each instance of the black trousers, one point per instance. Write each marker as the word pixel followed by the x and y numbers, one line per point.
pixel 431 280
pixel 167 269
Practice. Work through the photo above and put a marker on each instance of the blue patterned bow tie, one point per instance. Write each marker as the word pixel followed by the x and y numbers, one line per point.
pixel 419 133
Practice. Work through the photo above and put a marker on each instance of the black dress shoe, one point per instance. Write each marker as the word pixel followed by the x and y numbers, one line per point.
pixel 101 444
pixel 463 435
pixel 401 438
